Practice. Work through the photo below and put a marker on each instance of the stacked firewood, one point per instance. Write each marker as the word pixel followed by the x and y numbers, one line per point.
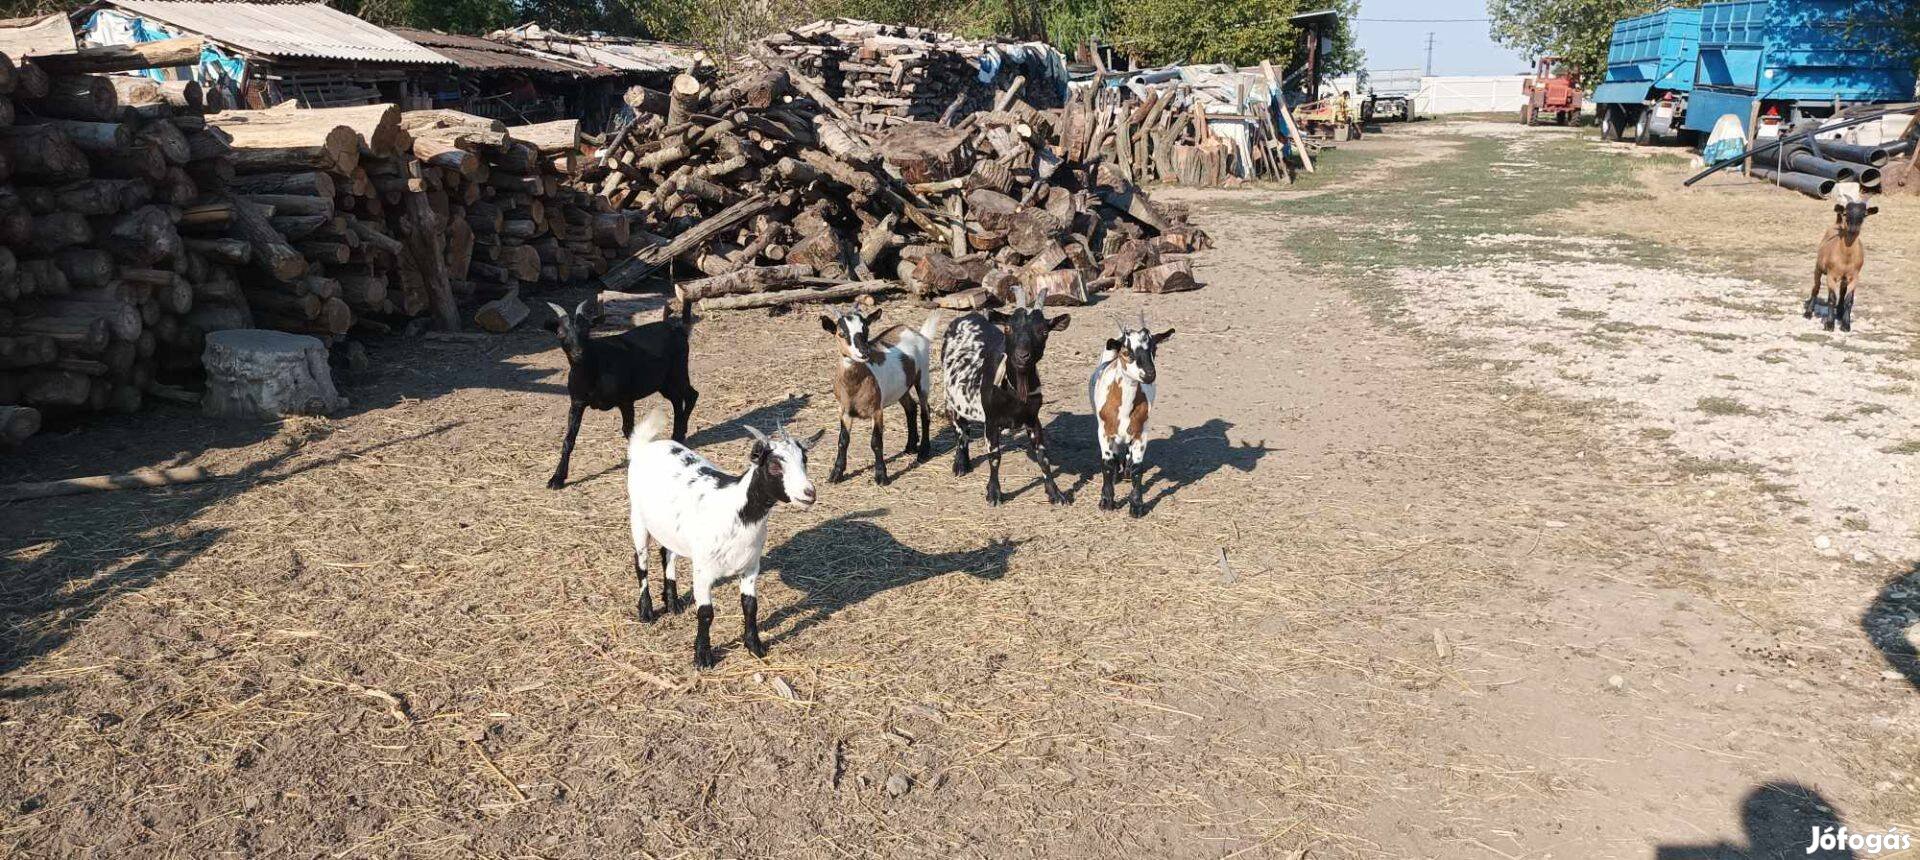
pixel 112 262
pixel 1169 135
pixel 775 194
pixel 132 223
pixel 889 74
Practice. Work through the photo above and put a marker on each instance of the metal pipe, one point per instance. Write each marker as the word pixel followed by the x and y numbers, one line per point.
pixel 1874 155
pixel 1899 147
pixel 1802 161
pixel 1865 174
pixel 1813 186
pixel 1770 145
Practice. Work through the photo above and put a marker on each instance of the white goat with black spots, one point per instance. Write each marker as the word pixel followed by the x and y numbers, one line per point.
pixel 1122 391
pixel 716 521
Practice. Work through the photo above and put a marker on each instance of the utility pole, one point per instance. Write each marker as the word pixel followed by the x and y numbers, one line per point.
pixel 1429 54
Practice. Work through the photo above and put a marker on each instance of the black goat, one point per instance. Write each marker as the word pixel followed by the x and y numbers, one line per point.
pixel 612 372
pixel 993 385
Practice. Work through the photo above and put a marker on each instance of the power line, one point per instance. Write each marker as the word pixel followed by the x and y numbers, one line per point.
pixel 1424 20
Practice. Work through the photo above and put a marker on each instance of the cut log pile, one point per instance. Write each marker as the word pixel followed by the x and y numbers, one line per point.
pixel 132 224
pixel 774 193
pixel 888 74
pixel 1168 132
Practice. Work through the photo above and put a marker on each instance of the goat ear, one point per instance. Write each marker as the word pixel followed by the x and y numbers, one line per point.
pixel 870 317
pixel 1839 208
pixel 826 322
pixel 808 443
pixel 1873 210
pixel 1113 343
pixel 998 316
pixel 1165 335
pixel 1060 322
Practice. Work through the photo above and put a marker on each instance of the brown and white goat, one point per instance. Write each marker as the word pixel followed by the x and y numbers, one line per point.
pixel 1122 391
pixel 1842 254
pixel 878 369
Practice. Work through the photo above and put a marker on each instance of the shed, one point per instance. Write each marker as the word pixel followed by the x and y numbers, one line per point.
pixel 267 53
pixel 517 79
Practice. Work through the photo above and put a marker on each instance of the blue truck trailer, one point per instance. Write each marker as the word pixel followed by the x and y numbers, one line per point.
pixel 1783 61
pixel 1650 71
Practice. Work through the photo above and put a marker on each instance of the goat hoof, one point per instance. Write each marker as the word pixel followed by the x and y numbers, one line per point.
pixel 880 479
pixel 1136 510
pixel 1828 325
pixel 1846 326
pixel 993 500
pixel 755 647
pixel 647 615
pixel 556 482
pixel 703 657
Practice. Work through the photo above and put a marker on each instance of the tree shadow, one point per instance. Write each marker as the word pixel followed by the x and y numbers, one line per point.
pixel 1184 456
pixel 1780 819
pixel 1895 612
pixel 66 558
pixel 851 558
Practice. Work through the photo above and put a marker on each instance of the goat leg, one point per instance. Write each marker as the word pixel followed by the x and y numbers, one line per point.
pixel 1108 468
pixel 626 421
pixel 683 412
pixel 926 427
pixel 1037 449
pixel 1845 310
pixel 646 598
pixel 912 409
pixel 962 452
pixel 750 610
pixel 574 412
pixel 993 467
pixel 1813 300
pixel 1833 303
pixel 879 449
pixel 839 472
pixel 669 585
pixel 1138 507
pixel 703 638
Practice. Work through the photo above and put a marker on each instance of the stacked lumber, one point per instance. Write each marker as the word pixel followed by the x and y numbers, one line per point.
pixel 773 193
pixel 112 262
pixel 889 75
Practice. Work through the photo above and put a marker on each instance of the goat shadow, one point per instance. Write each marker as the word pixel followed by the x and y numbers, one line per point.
pixel 1895 611
pixel 851 558
pixel 1780 819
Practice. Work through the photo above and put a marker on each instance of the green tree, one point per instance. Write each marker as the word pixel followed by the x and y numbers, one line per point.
pixel 1578 30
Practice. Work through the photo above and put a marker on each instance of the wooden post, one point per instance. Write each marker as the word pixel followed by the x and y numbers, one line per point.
pixel 1286 116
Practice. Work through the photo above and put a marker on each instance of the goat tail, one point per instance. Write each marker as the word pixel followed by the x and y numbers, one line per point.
pixel 652 428
pixel 931 327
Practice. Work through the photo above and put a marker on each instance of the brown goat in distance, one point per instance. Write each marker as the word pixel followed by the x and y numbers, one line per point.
pixel 1842 254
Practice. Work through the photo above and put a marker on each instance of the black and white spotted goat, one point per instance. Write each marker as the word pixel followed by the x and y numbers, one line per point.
pixel 991 366
pixel 877 369
pixel 1122 390
pixel 717 521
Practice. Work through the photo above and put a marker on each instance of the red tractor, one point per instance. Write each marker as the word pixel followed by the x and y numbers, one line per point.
pixel 1553 91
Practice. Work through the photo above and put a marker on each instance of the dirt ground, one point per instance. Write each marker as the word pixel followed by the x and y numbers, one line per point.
pixel 1503 505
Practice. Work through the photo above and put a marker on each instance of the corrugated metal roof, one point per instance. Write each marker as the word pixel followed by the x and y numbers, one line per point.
pixel 473 52
pixel 285 30
pixel 620 54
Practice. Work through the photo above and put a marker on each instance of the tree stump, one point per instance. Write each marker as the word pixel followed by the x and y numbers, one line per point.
pixel 254 373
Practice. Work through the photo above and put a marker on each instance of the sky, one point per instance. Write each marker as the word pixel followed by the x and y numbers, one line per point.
pixel 1459 47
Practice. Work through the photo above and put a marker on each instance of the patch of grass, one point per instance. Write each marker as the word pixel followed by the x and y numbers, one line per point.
pixel 1897 372
pixel 1545 348
pixel 1773 356
pixel 1582 314
pixel 1855 523
pixel 1658 434
pixel 1701 467
pixel 1837 417
pixel 1872 408
pixel 1908 448
pixel 1724 406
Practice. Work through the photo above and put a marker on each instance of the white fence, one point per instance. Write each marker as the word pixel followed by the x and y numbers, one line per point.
pixel 1484 94
pixel 1453 94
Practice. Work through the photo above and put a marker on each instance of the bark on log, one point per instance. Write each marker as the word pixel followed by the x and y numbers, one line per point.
pixel 792 297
